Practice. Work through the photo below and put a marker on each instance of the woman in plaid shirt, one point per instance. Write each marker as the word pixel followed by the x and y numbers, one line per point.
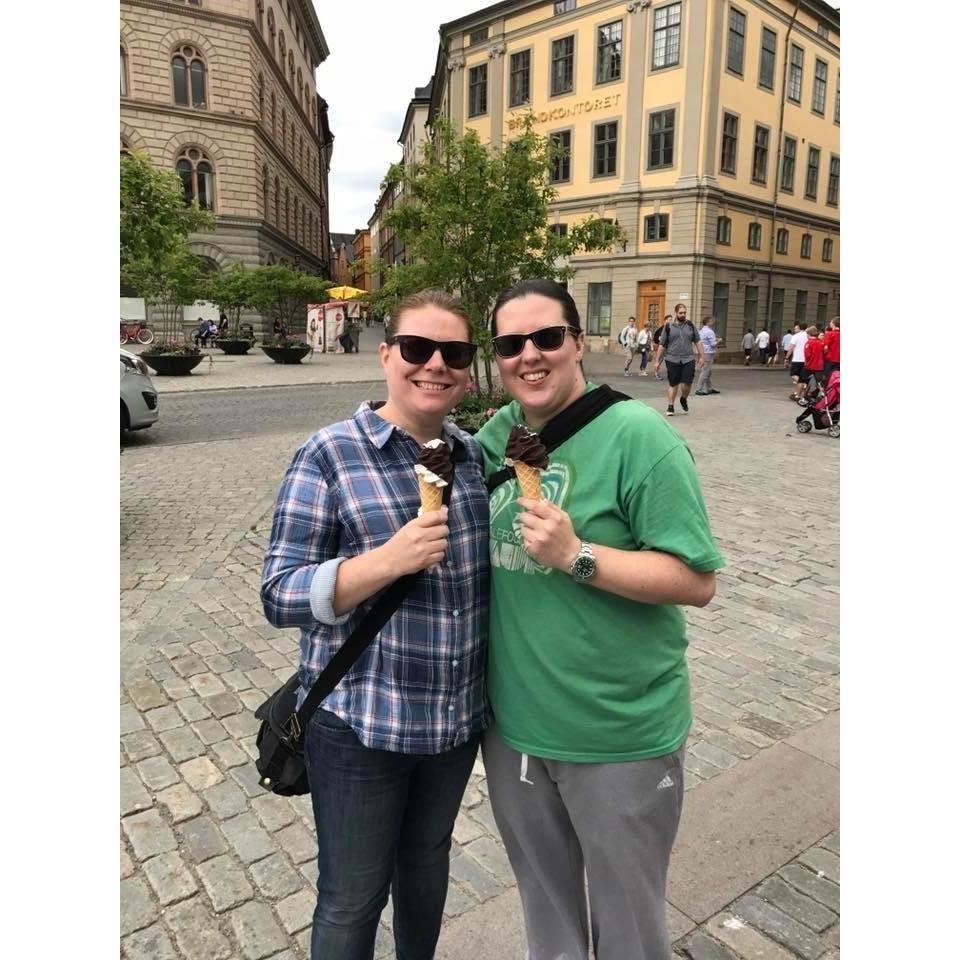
pixel 390 751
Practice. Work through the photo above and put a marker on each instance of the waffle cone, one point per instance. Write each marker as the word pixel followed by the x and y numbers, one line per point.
pixel 529 480
pixel 431 496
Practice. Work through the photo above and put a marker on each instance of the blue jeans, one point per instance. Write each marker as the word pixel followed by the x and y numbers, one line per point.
pixel 384 822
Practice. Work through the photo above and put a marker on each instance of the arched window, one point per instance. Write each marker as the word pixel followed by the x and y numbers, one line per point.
pixel 286 208
pixel 261 114
pixel 189 77
pixel 273 113
pixel 283 129
pixel 276 201
pixel 292 142
pixel 296 217
pixel 301 154
pixel 283 49
pixel 260 15
pixel 272 31
pixel 290 67
pixel 300 84
pixel 123 71
pixel 783 240
pixel 196 175
pixel 266 193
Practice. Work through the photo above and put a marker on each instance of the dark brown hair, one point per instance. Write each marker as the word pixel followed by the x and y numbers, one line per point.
pixel 545 288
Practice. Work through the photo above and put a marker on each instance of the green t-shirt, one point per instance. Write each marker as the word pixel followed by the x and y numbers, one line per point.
pixel 576 673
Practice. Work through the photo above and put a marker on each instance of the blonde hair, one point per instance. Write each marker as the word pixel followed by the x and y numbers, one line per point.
pixel 428 298
pixel 812 331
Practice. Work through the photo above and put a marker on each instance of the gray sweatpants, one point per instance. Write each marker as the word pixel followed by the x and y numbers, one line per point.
pixel 616 822
pixel 703 381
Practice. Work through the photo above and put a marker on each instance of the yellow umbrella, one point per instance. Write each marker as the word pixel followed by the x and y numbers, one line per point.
pixel 345 293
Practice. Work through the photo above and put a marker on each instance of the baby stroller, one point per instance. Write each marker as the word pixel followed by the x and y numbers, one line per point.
pixel 825 413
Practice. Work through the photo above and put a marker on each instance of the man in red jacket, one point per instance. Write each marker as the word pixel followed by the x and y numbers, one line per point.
pixel 831 347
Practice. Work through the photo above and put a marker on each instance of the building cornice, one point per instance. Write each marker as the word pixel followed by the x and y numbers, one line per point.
pixel 627 260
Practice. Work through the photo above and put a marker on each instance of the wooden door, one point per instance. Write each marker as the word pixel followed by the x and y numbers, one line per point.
pixel 651 302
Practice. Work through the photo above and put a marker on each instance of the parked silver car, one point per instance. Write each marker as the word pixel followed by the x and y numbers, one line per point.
pixel 139 405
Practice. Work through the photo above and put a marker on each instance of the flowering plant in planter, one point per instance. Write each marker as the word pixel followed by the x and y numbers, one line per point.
pixel 284 341
pixel 478 406
pixel 173 348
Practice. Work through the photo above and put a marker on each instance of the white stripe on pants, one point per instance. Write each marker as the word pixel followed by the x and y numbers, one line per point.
pixel 703 381
pixel 616 822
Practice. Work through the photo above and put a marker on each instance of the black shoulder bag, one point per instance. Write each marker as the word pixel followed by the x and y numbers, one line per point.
pixel 565 424
pixel 281 763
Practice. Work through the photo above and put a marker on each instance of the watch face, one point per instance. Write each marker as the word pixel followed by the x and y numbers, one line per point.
pixel 584 567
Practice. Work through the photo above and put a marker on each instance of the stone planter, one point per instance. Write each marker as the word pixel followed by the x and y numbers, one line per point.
pixel 235 348
pixel 286 354
pixel 172 365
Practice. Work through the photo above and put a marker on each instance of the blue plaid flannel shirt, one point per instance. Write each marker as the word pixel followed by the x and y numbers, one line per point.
pixel 420 687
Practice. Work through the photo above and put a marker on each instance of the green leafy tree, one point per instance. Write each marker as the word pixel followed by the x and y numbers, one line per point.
pixel 475 219
pixel 232 291
pixel 279 293
pixel 167 280
pixel 154 220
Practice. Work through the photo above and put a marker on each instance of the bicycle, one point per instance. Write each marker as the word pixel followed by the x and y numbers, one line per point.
pixel 137 331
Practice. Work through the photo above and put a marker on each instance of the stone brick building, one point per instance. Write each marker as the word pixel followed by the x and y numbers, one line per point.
pixel 223 92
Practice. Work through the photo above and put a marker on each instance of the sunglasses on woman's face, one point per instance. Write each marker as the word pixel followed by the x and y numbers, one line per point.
pixel 547 338
pixel 418 350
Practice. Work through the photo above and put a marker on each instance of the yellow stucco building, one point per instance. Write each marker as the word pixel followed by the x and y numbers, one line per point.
pixel 708 129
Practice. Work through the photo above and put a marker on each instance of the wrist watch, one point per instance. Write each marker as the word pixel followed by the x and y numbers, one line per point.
pixel 584 566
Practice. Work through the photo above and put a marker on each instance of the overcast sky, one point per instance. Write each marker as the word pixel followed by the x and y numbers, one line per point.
pixel 379 52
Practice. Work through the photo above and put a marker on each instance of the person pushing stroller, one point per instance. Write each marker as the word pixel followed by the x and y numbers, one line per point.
pixel 825 413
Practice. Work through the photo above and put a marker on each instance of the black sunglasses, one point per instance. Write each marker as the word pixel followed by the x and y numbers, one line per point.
pixel 456 353
pixel 547 338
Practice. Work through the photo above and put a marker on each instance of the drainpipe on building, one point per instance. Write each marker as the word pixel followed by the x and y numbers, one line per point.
pixel 776 169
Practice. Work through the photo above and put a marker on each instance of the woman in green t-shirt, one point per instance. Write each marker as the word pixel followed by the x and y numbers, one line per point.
pixel 587 672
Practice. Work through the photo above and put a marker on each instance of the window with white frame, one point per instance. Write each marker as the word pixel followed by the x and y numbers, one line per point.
pixel 660 153
pixel 189 77
pixel 724 230
pixel 783 240
pixel 478 90
pixel 609 52
pixel 666 36
pixel 768 58
pixel 599 312
pixel 819 105
pixel 196 176
pixel 605 149
pixel 519 78
pixel 795 78
pixel 561 66
pixel 736 34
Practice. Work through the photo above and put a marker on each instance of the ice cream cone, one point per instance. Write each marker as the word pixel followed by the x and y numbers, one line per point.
pixel 529 480
pixel 431 496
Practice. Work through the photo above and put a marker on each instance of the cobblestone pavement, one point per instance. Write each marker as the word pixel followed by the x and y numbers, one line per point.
pixel 213 868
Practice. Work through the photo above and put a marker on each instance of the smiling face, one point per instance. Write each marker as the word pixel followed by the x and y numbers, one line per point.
pixel 543 382
pixel 419 396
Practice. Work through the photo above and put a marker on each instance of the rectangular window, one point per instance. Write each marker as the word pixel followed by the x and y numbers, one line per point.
pixel 609 52
pixel 795 81
pixel 761 143
pixel 754 236
pixel 823 303
pixel 605 149
pixel 721 304
pixel 833 183
pixel 564 6
pixel 728 150
pixel 768 58
pixel 800 312
pixel 836 106
pixel 813 173
pixel 724 231
pixel 806 246
pixel 776 309
pixel 599 298
pixel 558 229
pixel 736 31
pixel 827 254
pixel 751 299
pixel 666 36
pixel 823 31
pixel 819 87
pixel 783 240
pixel 656 227
pixel 560 168
pixel 561 66
pixel 661 140
pixel 478 36
pixel 478 90
pixel 519 78
pixel 789 165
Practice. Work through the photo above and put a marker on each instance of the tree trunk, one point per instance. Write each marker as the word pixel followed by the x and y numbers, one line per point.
pixel 488 372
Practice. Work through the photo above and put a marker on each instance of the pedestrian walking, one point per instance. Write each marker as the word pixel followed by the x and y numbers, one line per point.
pixel 762 345
pixel 831 348
pixel 390 750
pixel 785 341
pixel 343 334
pixel 813 358
pixel 657 334
pixel 644 339
pixel 796 358
pixel 628 340
pixel 710 341
pixel 746 344
pixel 224 326
pixel 678 343
pixel 587 673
